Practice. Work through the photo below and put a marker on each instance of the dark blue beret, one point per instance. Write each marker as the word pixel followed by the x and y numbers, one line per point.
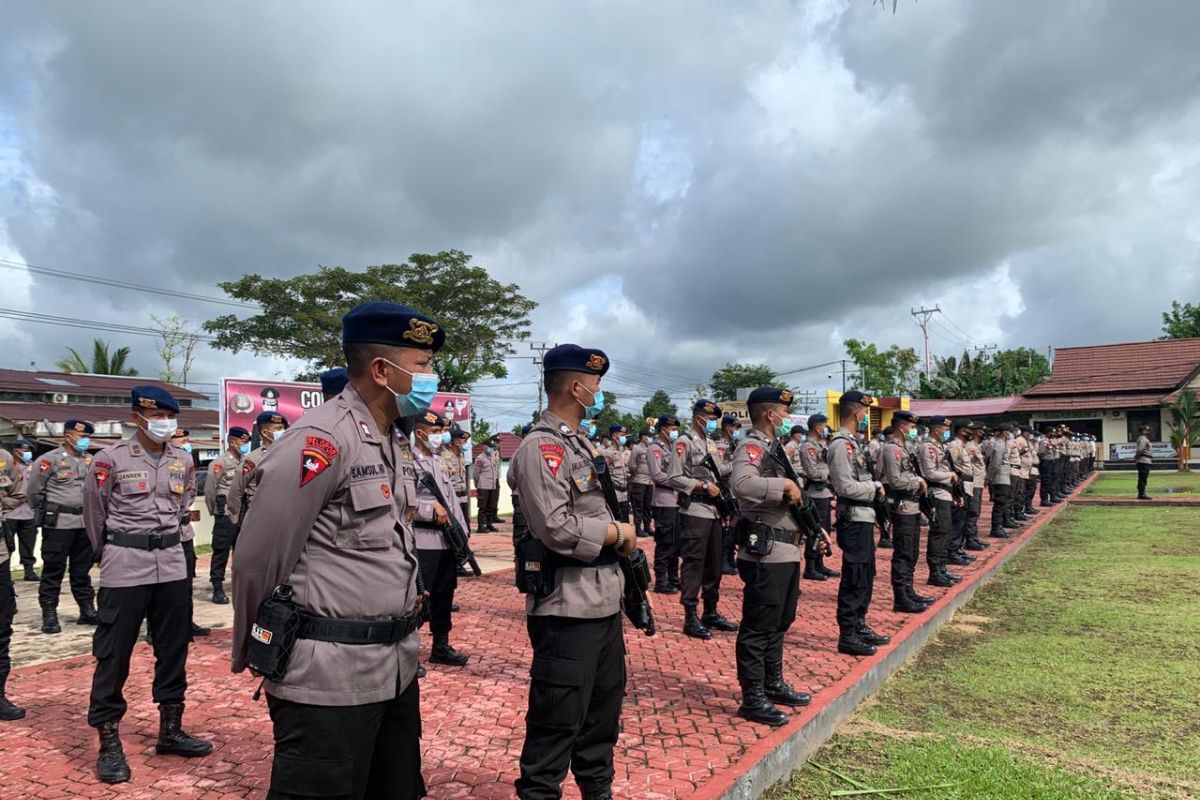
pixel 381 322
pixel 573 358
pixel 150 397
pixel 938 422
pixel 730 419
pixel 271 418
pixel 706 406
pixel 458 433
pixel 667 421
pixel 23 443
pixel 79 426
pixel 615 429
pixel 238 432
pixel 905 416
pixel 770 394
pixel 525 429
pixel 645 432
pixel 817 419
pixel 334 380
pixel 429 417
pixel 856 396
pixel 1004 426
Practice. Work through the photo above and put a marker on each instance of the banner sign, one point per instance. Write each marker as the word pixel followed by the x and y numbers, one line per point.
pixel 1127 451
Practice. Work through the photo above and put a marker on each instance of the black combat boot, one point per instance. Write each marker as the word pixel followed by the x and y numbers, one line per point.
pixel 443 653
pixel 111 766
pixel 998 532
pixel 596 794
pixel 778 691
pixel 757 708
pixel 811 572
pixel 171 738
pixel 31 575
pixel 959 559
pixel 869 636
pixel 851 644
pixel 831 573
pixel 713 620
pixel 87 614
pixel 8 710
pixel 939 577
pixel 950 575
pixel 728 567
pixel 885 543
pixel 693 627
pixel 50 620
pixel 918 598
pixel 200 630
pixel 903 603
pixel 662 585
pixel 219 597
pixel 975 545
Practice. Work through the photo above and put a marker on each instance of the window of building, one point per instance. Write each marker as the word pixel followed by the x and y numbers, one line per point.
pixel 1134 420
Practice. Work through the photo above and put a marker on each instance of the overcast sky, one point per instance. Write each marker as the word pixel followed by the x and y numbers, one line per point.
pixel 682 184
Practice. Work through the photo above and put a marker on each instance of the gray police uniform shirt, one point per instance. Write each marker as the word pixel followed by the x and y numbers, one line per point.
pixel 564 507
pixel 849 476
pixel 131 490
pixel 998 472
pixel 687 471
pixel 658 456
pixel 12 486
pixel 1143 451
pixel 639 464
pixel 814 469
pixel 614 456
pixel 758 484
pixel 58 477
pixel 899 475
pixel 429 538
pixel 22 509
pixel 331 518
pixel 486 474
pixel 935 469
pixel 245 481
pixel 975 457
pixel 957 450
pixel 221 472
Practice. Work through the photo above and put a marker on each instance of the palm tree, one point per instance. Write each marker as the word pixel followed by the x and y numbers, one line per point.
pixel 1185 427
pixel 102 362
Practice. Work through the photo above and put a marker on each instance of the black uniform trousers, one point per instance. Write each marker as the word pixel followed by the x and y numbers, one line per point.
pixel 60 546
pixel 938 547
pixel 639 499
pixel 224 539
pixel 439 571
pixel 1143 471
pixel 974 505
pixel 700 552
pixel 348 752
pixel 666 544
pixel 576 687
pixel 24 532
pixel 857 541
pixel 958 520
pixel 167 609
pixel 488 501
pixel 906 550
pixel 1016 496
pixel 1000 499
pixel 768 610
pixel 8 610
pixel 1046 468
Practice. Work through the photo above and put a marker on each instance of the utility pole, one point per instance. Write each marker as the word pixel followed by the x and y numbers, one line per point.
pixel 923 314
pixel 540 348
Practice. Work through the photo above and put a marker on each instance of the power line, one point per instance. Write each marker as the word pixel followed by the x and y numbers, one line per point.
pixel 78 276
pixel 71 322
pixel 923 315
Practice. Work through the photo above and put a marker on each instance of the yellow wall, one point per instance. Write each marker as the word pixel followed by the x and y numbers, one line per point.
pixel 884 414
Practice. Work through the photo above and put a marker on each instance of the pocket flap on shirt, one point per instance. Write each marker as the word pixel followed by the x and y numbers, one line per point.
pixel 368 495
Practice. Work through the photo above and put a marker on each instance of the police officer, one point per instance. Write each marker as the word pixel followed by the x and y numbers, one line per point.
pixel 999 477
pixel 641 488
pixel 665 505
pixel 577 680
pixel 727 442
pixel 451 457
pixel 333 381
pixel 699 524
pixel 133 499
pixel 904 488
pixel 187 534
pixel 940 478
pixel 486 470
pixel 972 437
pixel 438 566
pixel 856 492
pixel 56 484
pixel 330 519
pixel 612 447
pixel 12 496
pixel 1144 458
pixel 271 426
pixel 221 472
pixel 815 470
pixel 19 520
pixel 768 562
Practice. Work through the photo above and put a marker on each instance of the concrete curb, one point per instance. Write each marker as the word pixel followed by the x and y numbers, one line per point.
pixel 773 759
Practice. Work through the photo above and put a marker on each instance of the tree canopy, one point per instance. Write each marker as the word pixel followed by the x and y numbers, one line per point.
pixel 103 362
pixel 659 405
pixel 1181 322
pixel 884 372
pixel 1007 372
pixel 728 379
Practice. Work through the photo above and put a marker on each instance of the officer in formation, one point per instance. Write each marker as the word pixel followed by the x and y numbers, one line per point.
pixel 700 529
pixel 18 521
pixel 577 679
pixel 612 447
pixel 665 506
pixel 904 487
pixel 452 459
pixel 1047 454
pixel 56 488
pixel 333 381
pixel 486 471
pixel 935 468
pixel 271 426
pixel 856 491
pixel 221 472
pixel 968 461
pixel 134 498
pixel 641 488
pixel 999 478
pixel 331 522
pixel 187 534
pixel 768 561
pixel 812 454
pixel 438 565
pixel 12 496
pixel 727 442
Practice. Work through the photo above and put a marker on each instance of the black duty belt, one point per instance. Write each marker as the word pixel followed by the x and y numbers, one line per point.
pixel 607 556
pixel 64 509
pixel 946 487
pixel 794 538
pixel 701 497
pixel 896 494
pixel 142 541
pixel 427 526
pixel 846 501
pixel 820 486
pixel 359 631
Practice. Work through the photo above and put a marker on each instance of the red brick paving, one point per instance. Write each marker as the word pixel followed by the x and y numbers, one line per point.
pixel 680 735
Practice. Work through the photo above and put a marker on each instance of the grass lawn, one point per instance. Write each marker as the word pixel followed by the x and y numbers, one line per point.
pixel 1166 483
pixel 1075 673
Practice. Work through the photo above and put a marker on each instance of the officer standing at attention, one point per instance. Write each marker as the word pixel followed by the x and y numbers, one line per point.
pixel 330 520
pixel 999 477
pixel 221 472
pixel 768 562
pixel 19 521
pixel 1143 458
pixel 12 495
pixel 699 524
pixel 438 567
pixel 727 442
pixel 486 470
pixel 665 504
pixel 935 469
pixel 271 425
pixel 452 457
pixel 904 488
pixel 187 534
pixel 333 381
pixel 577 680
pixel 816 488
pixel 641 488
pixel 612 448
pixel 134 496
pixel 55 492
pixel 972 436
pixel 856 493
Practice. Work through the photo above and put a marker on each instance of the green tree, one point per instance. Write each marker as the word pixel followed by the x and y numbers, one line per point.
pixel 883 372
pixel 659 405
pixel 177 349
pixel 481 429
pixel 728 379
pixel 103 362
pixel 1185 427
pixel 1181 322
pixel 1007 372
pixel 301 317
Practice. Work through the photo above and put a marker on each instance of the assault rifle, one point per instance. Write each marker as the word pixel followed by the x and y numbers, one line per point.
pixel 634 566
pixel 805 514
pixel 726 503
pixel 456 537
pixel 925 499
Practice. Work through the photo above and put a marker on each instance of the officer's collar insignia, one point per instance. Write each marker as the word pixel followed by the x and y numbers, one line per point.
pixel 366 430
pixel 420 331
pixel 565 428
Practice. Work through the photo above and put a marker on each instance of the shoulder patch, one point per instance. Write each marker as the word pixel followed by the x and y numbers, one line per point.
pixel 43 467
pixel 552 455
pixel 247 467
pixel 812 451
pixel 754 453
pixel 313 461
pixel 217 468
pixel 681 447
pixel 102 474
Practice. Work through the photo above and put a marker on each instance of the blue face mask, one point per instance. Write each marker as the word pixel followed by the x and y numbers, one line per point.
pixel 81 444
pixel 277 435
pixel 710 426
pixel 945 436
pixel 420 396
pixel 910 435
pixel 27 456
pixel 784 428
pixel 587 428
pixel 673 435
pixel 187 448
pixel 593 411
pixel 737 435
pixel 862 426
pixel 244 448
pixel 445 437
pixel 621 441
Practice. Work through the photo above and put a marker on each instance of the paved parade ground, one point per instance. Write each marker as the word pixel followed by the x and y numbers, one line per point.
pixel 680 736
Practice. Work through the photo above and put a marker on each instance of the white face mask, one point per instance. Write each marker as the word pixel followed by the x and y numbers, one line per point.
pixel 160 430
